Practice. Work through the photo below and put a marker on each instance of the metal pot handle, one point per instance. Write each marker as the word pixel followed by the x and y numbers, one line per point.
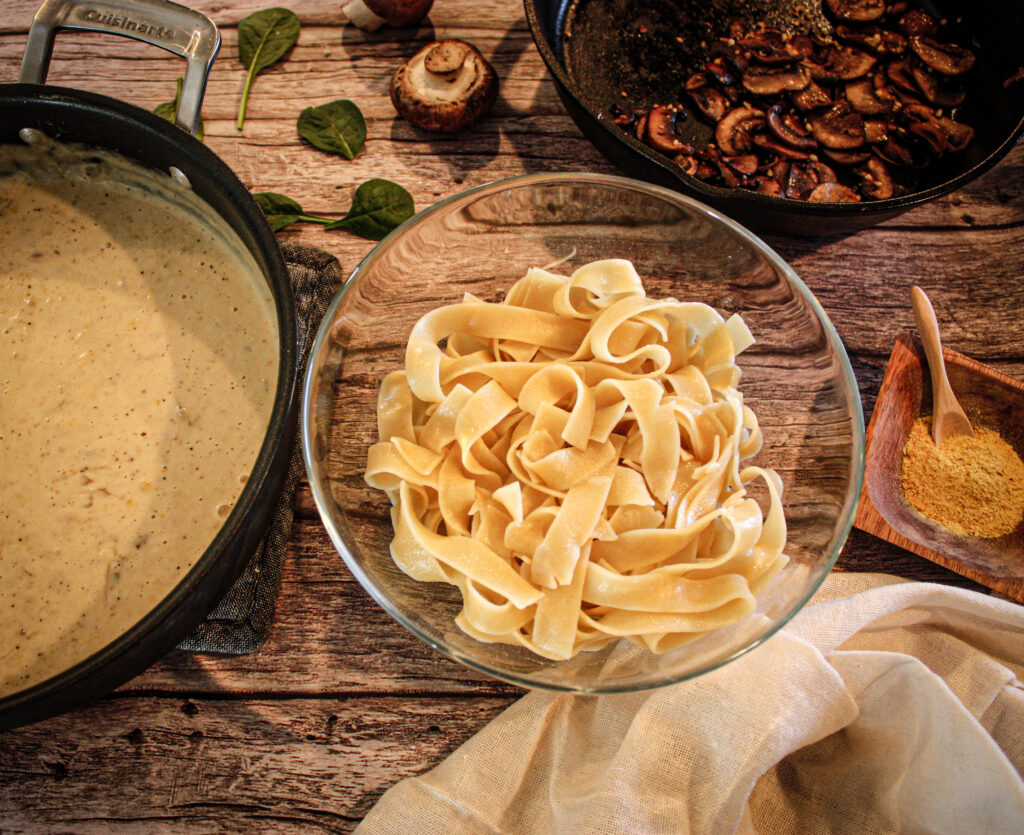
pixel 184 32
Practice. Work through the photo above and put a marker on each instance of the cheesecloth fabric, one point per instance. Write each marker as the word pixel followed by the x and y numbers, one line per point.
pixel 884 706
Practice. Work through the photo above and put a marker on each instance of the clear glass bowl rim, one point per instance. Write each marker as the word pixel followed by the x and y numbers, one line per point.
pixel 323 501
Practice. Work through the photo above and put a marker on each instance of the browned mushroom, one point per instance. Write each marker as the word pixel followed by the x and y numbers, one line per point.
pixel 876 131
pixel 922 123
pixel 733 132
pixel 867 99
pixel 846 157
pixel 709 101
pixel 839 127
pixel 661 131
pixel 898 72
pixel 811 98
pixel 445 87
pixel 771 47
pixel 858 10
pixel 767 81
pixel 895 153
pixel 916 22
pixel 840 63
pixel 695 167
pixel 370 15
pixel 875 179
pixel 768 185
pixel 789 128
pixel 957 133
pixel 833 193
pixel 939 93
pixel 771 145
pixel 946 58
pixel 640 128
pixel 800 182
pixel 881 42
pixel 744 164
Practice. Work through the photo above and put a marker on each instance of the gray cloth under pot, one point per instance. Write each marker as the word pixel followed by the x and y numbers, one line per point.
pixel 241 621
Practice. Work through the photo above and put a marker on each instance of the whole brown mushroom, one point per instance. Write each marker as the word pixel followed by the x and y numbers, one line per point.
pixel 445 87
pixel 370 15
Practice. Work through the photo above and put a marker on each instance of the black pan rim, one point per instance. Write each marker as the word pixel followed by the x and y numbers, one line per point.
pixel 278 439
pixel 723 196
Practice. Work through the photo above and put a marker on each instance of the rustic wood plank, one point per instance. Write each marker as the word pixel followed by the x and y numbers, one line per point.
pixel 174 765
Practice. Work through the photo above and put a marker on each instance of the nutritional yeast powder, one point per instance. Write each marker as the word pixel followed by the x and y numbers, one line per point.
pixel 973 486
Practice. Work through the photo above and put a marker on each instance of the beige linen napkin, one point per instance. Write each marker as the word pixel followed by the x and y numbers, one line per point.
pixel 885 706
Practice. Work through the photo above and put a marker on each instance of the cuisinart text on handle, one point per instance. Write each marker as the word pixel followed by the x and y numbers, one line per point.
pixel 129 25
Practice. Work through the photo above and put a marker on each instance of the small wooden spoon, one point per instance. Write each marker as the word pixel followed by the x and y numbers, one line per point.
pixel 948 417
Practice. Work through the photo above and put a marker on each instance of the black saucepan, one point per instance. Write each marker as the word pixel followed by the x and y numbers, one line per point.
pixel 649 49
pixel 102 122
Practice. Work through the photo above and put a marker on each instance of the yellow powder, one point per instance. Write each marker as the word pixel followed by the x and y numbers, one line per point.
pixel 973 486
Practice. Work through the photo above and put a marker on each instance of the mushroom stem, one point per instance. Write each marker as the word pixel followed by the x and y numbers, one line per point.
pixel 362 16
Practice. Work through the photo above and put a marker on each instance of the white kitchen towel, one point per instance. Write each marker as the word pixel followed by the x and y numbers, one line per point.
pixel 884 706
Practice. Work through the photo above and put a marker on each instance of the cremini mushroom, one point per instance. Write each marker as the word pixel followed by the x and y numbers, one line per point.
pixel 839 127
pixel 860 11
pixel 788 128
pixel 875 179
pixel 840 63
pixel 661 131
pixel 768 81
pixel 916 22
pixel 869 99
pixel 445 87
pixel 811 98
pixel 833 193
pixel 946 58
pixel 733 133
pixel 943 93
pixel 370 15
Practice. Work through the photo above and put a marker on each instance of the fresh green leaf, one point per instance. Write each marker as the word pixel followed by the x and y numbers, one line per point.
pixel 281 211
pixel 169 111
pixel 263 39
pixel 377 207
pixel 337 127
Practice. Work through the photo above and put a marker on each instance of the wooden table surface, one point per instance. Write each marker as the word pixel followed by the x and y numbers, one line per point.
pixel 305 734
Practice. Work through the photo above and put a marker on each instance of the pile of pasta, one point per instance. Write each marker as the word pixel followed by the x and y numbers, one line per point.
pixel 571 460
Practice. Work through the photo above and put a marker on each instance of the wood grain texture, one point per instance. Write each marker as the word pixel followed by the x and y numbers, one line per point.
pixel 192 765
pixel 341 701
pixel 994 401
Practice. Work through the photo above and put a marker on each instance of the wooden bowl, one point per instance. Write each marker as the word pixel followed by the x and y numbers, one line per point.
pixel 991 400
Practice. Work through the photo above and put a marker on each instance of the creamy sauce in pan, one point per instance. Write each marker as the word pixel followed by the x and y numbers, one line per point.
pixel 138 366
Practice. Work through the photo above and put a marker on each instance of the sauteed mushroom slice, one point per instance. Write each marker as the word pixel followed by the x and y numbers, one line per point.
pixel 957 133
pixel 895 153
pixel 839 127
pixel 846 157
pixel 695 167
pixel 811 97
pixel 744 164
pixel 867 99
pixel 875 180
pixel 769 81
pixel 788 128
pixel 800 181
pixel 946 58
pixel 860 11
pixel 881 42
pixel 833 193
pixel 767 185
pixel 840 63
pixel 898 72
pixel 940 93
pixel 770 144
pixel 733 132
pixel 916 22
pixel 661 131
pixel 710 101
pixel 876 131
pixel 922 123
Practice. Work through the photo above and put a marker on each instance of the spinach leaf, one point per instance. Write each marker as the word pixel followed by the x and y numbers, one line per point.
pixel 282 211
pixel 263 39
pixel 169 111
pixel 377 207
pixel 337 127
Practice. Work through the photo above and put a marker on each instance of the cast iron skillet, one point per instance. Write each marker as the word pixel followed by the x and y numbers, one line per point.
pixel 606 53
pixel 77 116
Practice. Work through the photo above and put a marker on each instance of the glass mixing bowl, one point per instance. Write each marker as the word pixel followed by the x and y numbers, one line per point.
pixel 797 378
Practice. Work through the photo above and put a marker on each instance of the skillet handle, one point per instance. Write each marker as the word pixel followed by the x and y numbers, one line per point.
pixel 186 33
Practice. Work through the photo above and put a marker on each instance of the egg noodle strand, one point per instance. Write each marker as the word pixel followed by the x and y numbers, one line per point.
pixel 571 460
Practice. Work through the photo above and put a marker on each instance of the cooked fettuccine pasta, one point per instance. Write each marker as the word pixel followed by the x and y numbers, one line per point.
pixel 571 459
